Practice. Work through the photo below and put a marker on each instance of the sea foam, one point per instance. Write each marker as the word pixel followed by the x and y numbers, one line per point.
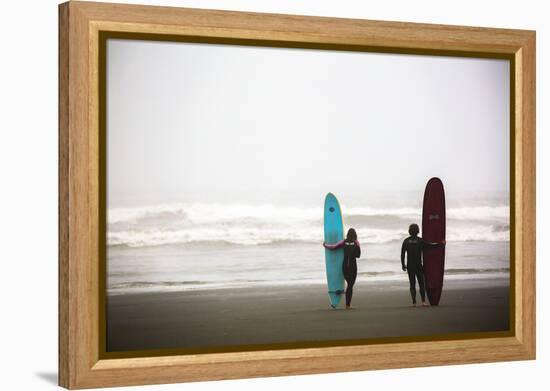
pixel 240 224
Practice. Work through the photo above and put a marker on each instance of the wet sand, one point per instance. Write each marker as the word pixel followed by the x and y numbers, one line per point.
pixel 283 314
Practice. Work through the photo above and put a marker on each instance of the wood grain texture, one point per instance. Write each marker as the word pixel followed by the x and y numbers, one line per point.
pixel 80 24
pixel 527 133
pixel 63 177
pixel 291 28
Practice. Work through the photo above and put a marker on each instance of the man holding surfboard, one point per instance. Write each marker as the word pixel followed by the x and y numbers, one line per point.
pixel 414 246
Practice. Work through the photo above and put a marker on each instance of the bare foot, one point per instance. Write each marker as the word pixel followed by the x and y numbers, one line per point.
pixel 348 307
pixel 424 304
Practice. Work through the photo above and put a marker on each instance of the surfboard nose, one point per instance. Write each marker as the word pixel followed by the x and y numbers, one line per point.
pixel 329 198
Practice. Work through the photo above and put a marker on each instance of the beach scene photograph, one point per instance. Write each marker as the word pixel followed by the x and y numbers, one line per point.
pixel 265 197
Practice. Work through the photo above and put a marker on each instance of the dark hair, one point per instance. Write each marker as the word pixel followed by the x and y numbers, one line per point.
pixel 351 236
pixel 413 229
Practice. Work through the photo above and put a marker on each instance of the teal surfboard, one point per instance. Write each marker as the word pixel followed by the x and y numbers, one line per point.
pixel 334 232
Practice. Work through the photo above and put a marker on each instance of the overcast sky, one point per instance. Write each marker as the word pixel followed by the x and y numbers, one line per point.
pixel 191 122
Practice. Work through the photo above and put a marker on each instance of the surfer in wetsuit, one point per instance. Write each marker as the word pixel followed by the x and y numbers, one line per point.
pixel 414 246
pixel 352 251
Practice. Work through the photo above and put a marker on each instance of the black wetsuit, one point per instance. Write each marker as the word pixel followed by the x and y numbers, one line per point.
pixel 413 246
pixel 351 252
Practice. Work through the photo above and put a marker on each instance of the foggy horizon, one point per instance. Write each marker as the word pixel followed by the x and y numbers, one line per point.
pixel 199 122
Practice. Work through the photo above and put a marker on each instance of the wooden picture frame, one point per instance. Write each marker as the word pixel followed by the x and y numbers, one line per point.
pixel 81 112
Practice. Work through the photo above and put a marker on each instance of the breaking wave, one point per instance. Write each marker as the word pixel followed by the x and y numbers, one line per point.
pixel 175 224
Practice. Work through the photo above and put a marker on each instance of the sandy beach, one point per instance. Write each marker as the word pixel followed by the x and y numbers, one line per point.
pixel 282 314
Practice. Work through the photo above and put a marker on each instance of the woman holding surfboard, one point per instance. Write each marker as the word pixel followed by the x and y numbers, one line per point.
pixel 352 251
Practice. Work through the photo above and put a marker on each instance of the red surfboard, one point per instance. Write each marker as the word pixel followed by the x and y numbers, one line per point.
pixel 433 230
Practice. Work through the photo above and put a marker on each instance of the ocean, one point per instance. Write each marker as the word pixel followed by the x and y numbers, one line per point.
pixel 214 245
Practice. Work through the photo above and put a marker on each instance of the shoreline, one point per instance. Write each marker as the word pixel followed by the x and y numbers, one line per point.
pixel 495 279
pixel 279 314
